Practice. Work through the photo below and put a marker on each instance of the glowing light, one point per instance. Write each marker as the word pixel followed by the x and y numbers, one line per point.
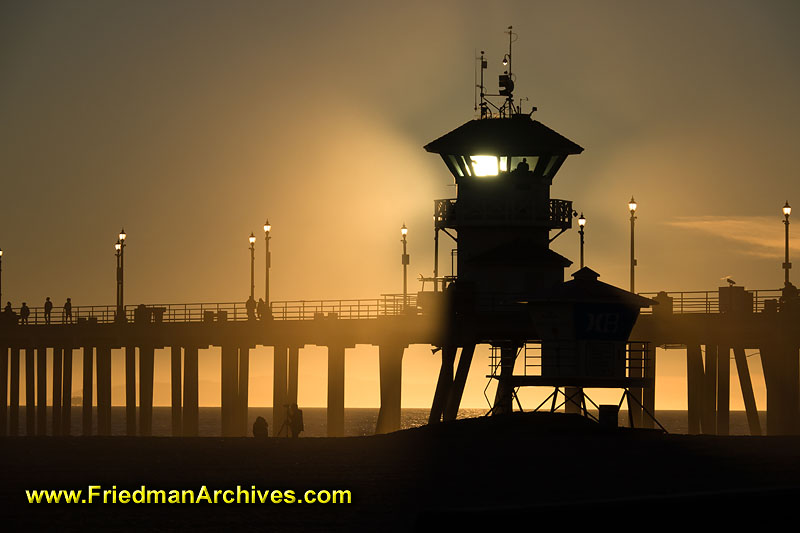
pixel 267 227
pixel 484 165
pixel 118 246
pixel 632 205
pixel 787 209
pixel 122 234
pixel 404 230
pixel 252 239
pixel 582 220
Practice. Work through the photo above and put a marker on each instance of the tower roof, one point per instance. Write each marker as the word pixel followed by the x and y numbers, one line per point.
pixel 518 135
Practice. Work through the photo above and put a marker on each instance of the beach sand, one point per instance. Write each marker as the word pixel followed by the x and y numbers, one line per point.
pixel 527 467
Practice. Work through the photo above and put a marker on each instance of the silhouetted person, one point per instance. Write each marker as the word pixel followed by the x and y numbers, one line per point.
pixel 9 316
pixel 68 311
pixel 24 313
pixel 523 166
pixel 790 297
pixel 260 428
pixel 251 308
pixel 48 308
pixel 261 308
pixel 7 308
pixel 296 421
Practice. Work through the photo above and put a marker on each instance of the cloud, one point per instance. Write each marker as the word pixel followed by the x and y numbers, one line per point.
pixel 758 236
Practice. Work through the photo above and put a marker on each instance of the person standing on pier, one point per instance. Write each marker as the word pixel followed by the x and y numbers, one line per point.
pixel 24 313
pixel 261 309
pixel 48 308
pixel 251 308
pixel 67 318
pixel 296 421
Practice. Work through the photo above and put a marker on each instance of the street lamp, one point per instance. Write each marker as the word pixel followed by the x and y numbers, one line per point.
pixel 252 265
pixel 787 210
pixel 632 207
pixel 581 224
pixel 405 262
pixel 120 253
pixel 1 275
pixel 267 229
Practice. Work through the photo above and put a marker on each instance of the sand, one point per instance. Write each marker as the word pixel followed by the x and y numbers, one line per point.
pixel 533 468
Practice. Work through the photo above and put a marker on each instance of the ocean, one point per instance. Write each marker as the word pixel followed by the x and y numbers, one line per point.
pixel 358 421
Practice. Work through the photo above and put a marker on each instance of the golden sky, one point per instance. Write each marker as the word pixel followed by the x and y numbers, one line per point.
pixel 189 123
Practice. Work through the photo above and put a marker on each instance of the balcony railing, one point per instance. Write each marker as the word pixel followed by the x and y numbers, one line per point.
pixel 559 215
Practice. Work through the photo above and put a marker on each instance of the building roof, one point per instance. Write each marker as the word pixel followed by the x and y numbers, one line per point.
pixel 585 287
pixel 517 135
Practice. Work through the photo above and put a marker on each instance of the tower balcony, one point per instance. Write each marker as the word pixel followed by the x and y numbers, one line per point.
pixel 447 215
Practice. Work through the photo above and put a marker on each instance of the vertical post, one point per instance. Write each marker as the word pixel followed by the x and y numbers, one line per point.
pixel 244 389
pixel 58 357
pixel 267 264
pixel 190 392
pixel 13 412
pixel 694 387
pixel 444 384
pixel 436 258
pixel 88 365
pixel 391 373
pixel 279 381
pixel 504 395
pixel 747 392
pixel 130 390
pixel 710 391
pixel 41 391
pixel 649 392
pixel 636 370
pixel 581 225
pixel 405 261
pixel 294 367
pixel 230 389
pixel 786 264
pixel 146 368
pixel 632 206
pixel 335 412
pixel 723 389
pixel 3 390
pixel 457 390
pixel 252 266
pixel 175 382
pixel 66 393
pixel 103 390
pixel 30 396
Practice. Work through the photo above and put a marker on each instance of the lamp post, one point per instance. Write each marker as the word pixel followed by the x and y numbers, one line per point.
pixel 252 265
pixel 632 207
pixel 787 210
pixel 581 224
pixel 267 229
pixel 1 275
pixel 405 261
pixel 120 252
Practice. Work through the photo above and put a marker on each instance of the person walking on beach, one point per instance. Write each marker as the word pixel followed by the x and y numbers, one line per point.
pixel 260 428
pixel 296 421
pixel 24 313
pixel 67 315
pixel 48 308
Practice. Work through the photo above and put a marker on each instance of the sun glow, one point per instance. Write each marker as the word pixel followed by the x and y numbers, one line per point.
pixel 484 165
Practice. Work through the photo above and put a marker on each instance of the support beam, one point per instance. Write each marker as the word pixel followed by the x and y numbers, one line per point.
pixel 771 362
pixel 694 387
pixel 3 391
pixel 505 392
pixel 103 390
pixel 146 369
pixel 279 393
pixel 41 391
pixel 30 393
pixel 636 370
pixel 244 391
pixel 710 391
pixel 747 392
pixel 191 411
pixel 294 368
pixel 230 389
pixel 175 382
pixel 13 390
pixel 573 405
pixel 66 393
pixel 649 393
pixel 130 390
pixel 457 390
pixel 335 411
pixel 58 358
pixel 88 366
pixel 792 387
pixel 723 390
pixel 444 384
pixel 391 377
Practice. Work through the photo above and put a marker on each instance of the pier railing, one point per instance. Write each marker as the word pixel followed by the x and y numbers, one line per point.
pixel 386 305
pixel 708 301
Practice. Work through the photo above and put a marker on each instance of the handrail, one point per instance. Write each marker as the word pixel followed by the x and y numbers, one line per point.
pixel 351 309
pixel 707 302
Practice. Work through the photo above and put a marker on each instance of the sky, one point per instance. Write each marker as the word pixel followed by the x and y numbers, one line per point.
pixel 189 123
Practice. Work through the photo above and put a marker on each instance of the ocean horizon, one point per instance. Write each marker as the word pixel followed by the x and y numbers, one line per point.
pixel 357 421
